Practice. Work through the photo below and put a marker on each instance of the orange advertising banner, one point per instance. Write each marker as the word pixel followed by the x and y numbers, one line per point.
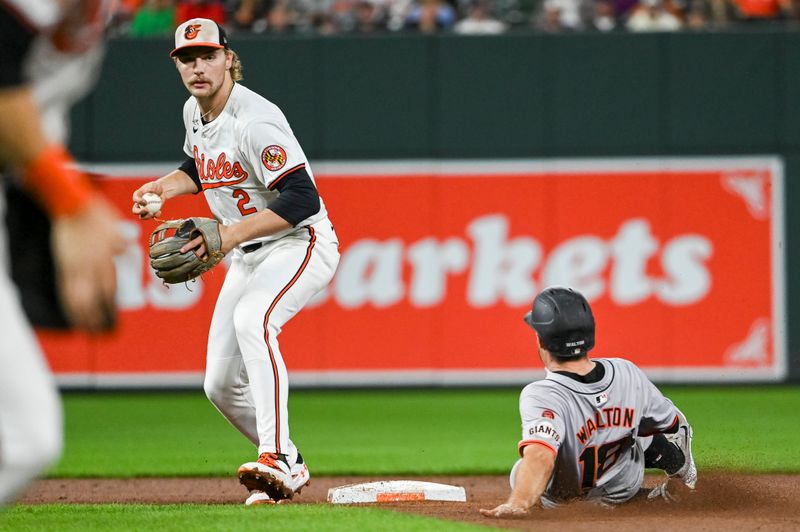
pixel 681 259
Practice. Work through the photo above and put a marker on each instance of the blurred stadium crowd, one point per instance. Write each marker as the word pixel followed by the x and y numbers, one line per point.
pixel 330 17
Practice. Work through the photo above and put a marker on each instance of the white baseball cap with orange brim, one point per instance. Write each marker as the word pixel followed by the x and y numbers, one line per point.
pixel 199 32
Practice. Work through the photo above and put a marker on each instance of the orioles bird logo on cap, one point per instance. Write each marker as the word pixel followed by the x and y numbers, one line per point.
pixel 192 31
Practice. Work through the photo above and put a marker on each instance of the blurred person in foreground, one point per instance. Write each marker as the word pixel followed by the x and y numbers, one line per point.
pixel 50 50
pixel 591 426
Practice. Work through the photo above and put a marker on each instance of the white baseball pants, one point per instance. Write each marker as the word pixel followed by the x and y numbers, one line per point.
pixel 246 377
pixel 31 429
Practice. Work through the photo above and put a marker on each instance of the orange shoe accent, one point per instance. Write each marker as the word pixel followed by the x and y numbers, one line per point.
pixel 269 460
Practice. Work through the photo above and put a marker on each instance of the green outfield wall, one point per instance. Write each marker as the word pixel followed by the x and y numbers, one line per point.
pixel 526 96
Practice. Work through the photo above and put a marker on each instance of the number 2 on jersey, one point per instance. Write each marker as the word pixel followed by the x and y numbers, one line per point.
pixel 244 199
pixel 595 461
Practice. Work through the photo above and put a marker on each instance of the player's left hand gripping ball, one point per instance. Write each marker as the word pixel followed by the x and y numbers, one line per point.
pixel 167 240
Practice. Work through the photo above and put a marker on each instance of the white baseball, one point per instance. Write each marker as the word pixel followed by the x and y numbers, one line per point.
pixel 153 202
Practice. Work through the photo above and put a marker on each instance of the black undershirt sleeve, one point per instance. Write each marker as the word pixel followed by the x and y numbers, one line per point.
pixel 648 427
pixel 299 198
pixel 188 166
pixel 15 40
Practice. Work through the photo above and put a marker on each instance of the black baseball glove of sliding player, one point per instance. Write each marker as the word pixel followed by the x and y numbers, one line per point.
pixel 165 249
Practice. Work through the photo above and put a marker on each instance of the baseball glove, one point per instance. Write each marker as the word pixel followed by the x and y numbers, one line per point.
pixel 165 251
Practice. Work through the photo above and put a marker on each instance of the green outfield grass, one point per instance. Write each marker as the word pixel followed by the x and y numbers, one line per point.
pixel 359 432
pixel 196 517
pixel 464 431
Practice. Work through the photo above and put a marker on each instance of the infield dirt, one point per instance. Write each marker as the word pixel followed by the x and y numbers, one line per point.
pixel 722 501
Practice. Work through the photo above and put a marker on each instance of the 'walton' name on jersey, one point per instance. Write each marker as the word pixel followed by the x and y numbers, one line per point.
pixel 610 417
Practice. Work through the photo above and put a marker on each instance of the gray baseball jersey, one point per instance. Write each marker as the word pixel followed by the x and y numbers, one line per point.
pixel 595 430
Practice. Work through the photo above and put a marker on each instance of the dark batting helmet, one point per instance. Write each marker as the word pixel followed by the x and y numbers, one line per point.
pixel 564 322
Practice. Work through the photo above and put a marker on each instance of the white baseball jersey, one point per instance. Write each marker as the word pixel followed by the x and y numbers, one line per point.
pixel 242 155
pixel 594 430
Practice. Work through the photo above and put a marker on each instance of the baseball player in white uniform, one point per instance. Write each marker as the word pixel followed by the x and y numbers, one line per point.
pixel 242 154
pixel 49 50
pixel 592 426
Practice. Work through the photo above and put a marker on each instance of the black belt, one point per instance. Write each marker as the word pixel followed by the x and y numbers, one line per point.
pixel 249 248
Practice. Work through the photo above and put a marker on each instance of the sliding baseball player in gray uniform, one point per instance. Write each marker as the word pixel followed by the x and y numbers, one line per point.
pixel 592 426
